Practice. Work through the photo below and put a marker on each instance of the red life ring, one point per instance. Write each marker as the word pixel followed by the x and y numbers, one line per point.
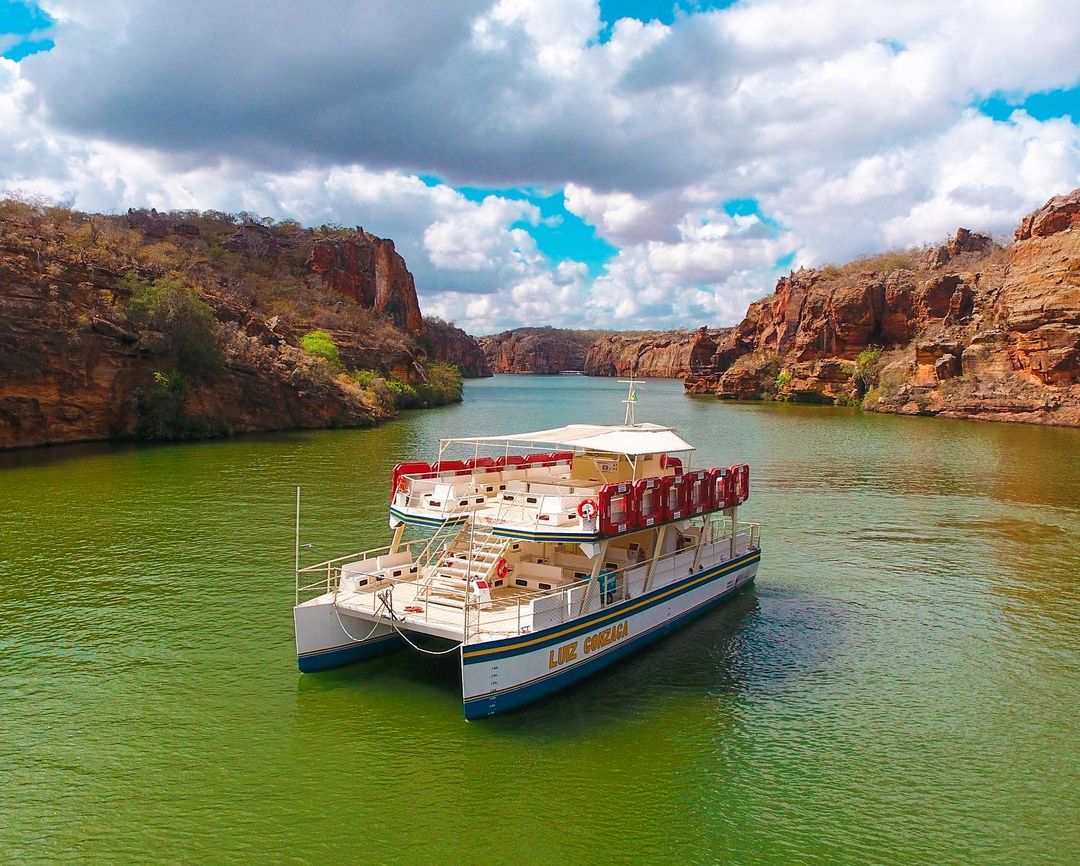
pixel 587 509
pixel 501 568
pixel 413 608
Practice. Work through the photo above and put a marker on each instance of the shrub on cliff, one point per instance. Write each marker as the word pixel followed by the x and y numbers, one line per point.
pixel 322 345
pixel 783 379
pixel 868 368
pixel 442 384
pixel 160 413
pixel 185 326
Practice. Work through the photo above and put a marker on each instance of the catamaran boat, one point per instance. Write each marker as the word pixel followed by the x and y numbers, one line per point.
pixel 545 556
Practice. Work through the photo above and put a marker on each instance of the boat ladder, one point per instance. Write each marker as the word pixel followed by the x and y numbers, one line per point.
pixel 472 555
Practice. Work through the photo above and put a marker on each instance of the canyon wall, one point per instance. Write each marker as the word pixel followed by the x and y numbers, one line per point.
pixel 652 354
pixel 658 355
pixel 967 329
pixel 369 270
pixel 187 325
pixel 451 344
pixel 537 350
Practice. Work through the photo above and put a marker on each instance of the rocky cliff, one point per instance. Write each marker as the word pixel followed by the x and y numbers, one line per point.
pixel 369 270
pixel 451 344
pixel 193 324
pixel 537 350
pixel 966 329
pixel 657 354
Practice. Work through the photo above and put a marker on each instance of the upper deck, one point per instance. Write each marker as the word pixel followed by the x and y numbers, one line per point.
pixel 606 480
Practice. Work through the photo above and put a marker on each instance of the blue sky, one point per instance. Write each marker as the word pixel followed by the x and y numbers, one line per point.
pixel 1061 102
pixel 21 20
pixel 535 164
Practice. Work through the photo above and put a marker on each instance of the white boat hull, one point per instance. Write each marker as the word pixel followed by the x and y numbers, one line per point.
pixel 502 675
pixel 327 638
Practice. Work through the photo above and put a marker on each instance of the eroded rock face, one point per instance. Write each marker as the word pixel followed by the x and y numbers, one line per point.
pixel 968 329
pixel 73 367
pixel 651 354
pixel 453 345
pixel 667 355
pixel 1040 301
pixel 369 270
pixel 536 350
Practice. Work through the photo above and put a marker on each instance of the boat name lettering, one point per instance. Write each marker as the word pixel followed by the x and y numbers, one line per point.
pixel 566 653
pixel 606 636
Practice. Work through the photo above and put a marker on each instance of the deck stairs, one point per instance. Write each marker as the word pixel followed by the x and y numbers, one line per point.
pixel 458 561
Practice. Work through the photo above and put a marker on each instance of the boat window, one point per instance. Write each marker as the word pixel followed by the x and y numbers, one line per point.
pixel 519 582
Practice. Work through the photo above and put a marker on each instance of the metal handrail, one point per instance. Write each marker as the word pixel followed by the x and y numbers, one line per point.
pixel 358 557
pixel 525 597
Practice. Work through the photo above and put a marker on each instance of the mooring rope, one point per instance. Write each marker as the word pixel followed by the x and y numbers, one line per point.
pixel 386 597
pixel 347 632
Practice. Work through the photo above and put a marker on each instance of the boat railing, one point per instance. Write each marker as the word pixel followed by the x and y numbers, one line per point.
pixel 544 608
pixel 525 508
pixel 530 610
pixel 330 571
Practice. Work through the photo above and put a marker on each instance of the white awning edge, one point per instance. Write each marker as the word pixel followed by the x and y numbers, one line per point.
pixel 631 440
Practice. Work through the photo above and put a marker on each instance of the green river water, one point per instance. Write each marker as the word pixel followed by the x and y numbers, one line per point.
pixel 902 685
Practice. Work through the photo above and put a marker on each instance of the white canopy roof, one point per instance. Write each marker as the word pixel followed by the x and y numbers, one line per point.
pixel 613 439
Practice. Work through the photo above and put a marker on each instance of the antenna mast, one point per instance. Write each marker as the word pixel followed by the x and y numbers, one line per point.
pixel 631 398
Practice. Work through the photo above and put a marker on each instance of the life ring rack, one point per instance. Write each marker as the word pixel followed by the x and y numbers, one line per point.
pixel 587 509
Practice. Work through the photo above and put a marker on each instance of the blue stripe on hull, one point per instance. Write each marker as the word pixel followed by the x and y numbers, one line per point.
pixel 346 655
pixel 495 704
pixel 505 647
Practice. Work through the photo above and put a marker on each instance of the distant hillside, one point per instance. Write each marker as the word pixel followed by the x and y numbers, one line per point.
pixel 188 324
pixel 659 354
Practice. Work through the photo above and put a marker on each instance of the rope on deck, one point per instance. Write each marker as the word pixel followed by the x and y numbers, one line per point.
pixel 387 599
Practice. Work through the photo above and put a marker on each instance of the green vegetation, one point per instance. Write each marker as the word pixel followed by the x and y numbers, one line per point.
pixel 768 375
pixel 184 324
pixel 442 384
pixel 322 345
pixel 783 379
pixel 868 368
pixel 160 413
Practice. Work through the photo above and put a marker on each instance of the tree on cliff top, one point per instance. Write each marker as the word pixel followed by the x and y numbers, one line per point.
pixel 185 325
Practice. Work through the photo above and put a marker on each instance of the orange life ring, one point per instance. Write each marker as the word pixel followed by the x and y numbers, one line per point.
pixel 501 568
pixel 402 485
pixel 587 509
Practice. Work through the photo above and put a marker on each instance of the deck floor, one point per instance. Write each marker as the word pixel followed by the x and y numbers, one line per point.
pixel 443 614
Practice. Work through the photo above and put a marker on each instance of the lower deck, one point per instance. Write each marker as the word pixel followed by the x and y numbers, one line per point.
pixel 457 593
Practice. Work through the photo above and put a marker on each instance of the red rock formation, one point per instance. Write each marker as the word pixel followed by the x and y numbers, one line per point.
pixel 659 355
pixel 76 365
pixel 968 329
pixel 369 270
pixel 537 350
pixel 450 343
pixel 1040 301
pixel 73 368
pixel 655 354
